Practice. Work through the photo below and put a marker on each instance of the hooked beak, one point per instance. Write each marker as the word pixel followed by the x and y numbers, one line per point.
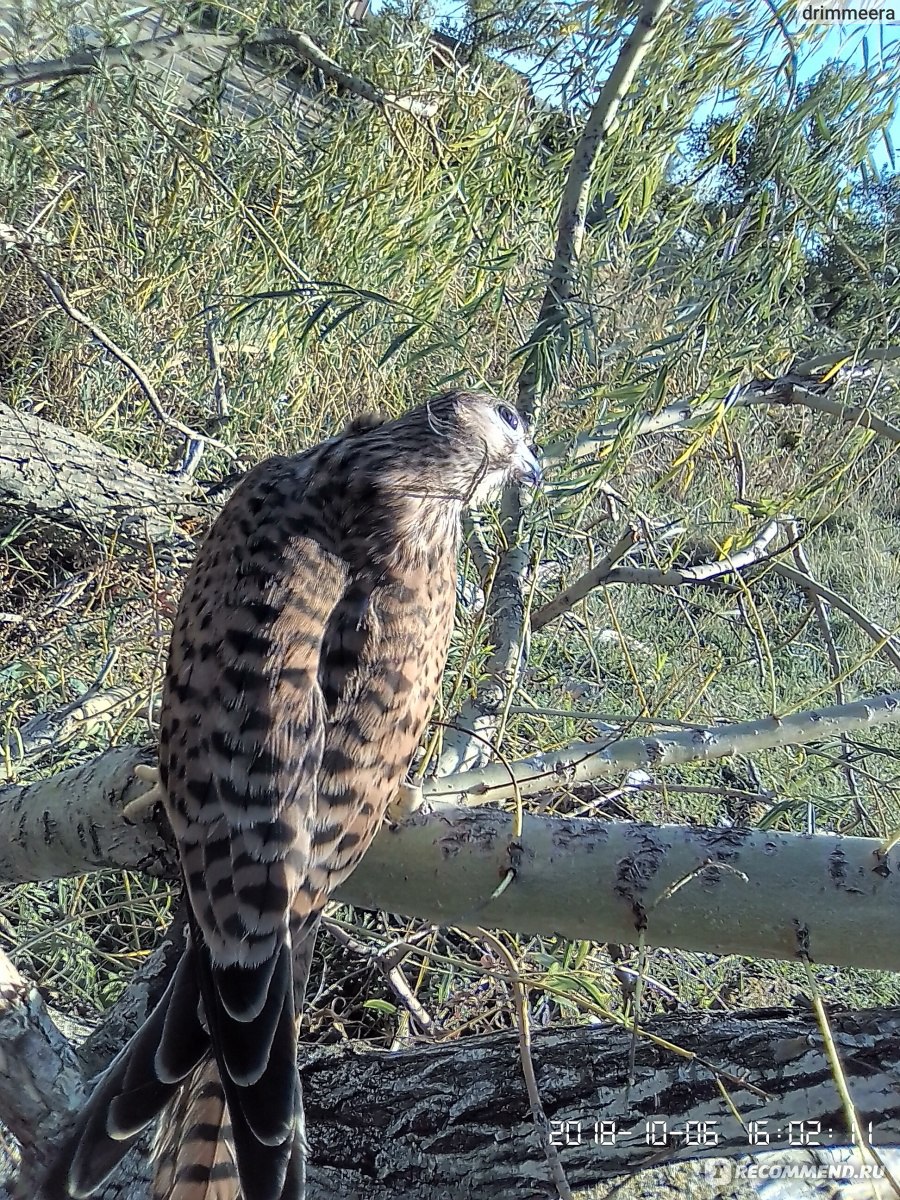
pixel 527 467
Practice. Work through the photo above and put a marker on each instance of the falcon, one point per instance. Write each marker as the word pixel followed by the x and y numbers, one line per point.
pixel 306 656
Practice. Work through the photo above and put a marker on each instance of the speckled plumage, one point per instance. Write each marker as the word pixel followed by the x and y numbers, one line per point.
pixel 306 656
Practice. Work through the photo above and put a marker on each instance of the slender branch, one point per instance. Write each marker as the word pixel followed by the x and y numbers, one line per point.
pixel 682 414
pixel 606 573
pixel 604 757
pixel 48 731
pixel 821 609
pixel 871 354
pixel 853 414
pixel 887 643
pixel 574 204
pixel 568 598
pixel 23 244
pixel 467 743
pixel 477 724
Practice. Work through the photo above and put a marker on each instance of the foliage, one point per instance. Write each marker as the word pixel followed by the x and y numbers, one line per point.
pixel 382 257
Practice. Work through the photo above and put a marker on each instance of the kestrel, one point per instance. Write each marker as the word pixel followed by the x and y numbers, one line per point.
pixel 306 656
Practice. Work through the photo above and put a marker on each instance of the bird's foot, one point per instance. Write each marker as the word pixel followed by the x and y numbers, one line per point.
pixel 409 799
pixel 140 808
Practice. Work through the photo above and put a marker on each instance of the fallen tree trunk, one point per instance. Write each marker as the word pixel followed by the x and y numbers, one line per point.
pixel 454 1120
pixel 78 486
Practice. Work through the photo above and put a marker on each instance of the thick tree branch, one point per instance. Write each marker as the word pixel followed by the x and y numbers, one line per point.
pixel 37 1063
pixel 758 893
pixel 454 1120
pixel 75 484
pixel 165 45
pixel 72 823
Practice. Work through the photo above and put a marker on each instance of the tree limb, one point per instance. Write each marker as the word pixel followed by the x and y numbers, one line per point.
pixel 758 893
pixel 583 761
pixel 574 204
pixel 165 45
pixel 76 484
pixel 37 1063
pixel 453 1119
pixel 682 414
pixel 606 572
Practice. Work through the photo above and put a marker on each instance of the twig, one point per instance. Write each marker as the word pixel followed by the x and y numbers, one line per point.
pixel 887 643
pixel 579 589
pixel 394 977
pixel 23 244
pixel 584 761
pixel 682 414
pixel 820 609
pixel 523 1025
pixel 606 573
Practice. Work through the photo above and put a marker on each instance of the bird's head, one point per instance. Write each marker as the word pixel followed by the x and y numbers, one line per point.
pixel 488 442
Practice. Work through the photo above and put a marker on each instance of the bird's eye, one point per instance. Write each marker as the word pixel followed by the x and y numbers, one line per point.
pixel 510 417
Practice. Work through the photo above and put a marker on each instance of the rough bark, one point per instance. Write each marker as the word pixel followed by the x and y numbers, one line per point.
pixel 76 485
pixel 453 1121
pixel 37 1063
pixel 720 890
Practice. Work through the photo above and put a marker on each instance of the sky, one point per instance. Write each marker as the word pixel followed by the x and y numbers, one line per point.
pixel 874 44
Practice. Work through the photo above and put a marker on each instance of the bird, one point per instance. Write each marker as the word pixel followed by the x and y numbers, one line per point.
pixel 306 655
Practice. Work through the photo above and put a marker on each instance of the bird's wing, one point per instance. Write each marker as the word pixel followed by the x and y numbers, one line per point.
pixel 241 742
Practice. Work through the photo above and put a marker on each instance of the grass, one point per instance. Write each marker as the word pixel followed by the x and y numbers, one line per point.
pixel 366 268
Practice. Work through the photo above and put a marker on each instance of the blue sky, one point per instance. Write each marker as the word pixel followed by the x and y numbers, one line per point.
pixel 874 45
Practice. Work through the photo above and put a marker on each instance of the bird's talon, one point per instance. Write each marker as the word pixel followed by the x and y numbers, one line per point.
pixel 409 799
pixel 138 810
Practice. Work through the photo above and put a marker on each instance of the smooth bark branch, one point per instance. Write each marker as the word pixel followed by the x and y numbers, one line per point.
pixel 787 390
pixel 71 823
pixel 607 572
pixel 508 634
pixel 76 484
pixel 599 759
pixel 717 891
pixel 722 891
pixel 48 731
pixel 574 204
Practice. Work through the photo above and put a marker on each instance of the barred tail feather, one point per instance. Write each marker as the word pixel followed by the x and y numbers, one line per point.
pixel 133 1090
pixel 193 1153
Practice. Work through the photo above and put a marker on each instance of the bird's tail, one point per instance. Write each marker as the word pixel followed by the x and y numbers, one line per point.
pixel 193 1153
pixel 138 1084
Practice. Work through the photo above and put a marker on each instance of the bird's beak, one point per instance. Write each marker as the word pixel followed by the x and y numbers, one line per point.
pixel 527 468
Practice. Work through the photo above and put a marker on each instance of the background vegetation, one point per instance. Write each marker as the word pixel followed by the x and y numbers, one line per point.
pixel 385 257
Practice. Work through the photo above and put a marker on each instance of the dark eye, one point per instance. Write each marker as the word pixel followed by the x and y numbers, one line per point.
pixel 510 417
